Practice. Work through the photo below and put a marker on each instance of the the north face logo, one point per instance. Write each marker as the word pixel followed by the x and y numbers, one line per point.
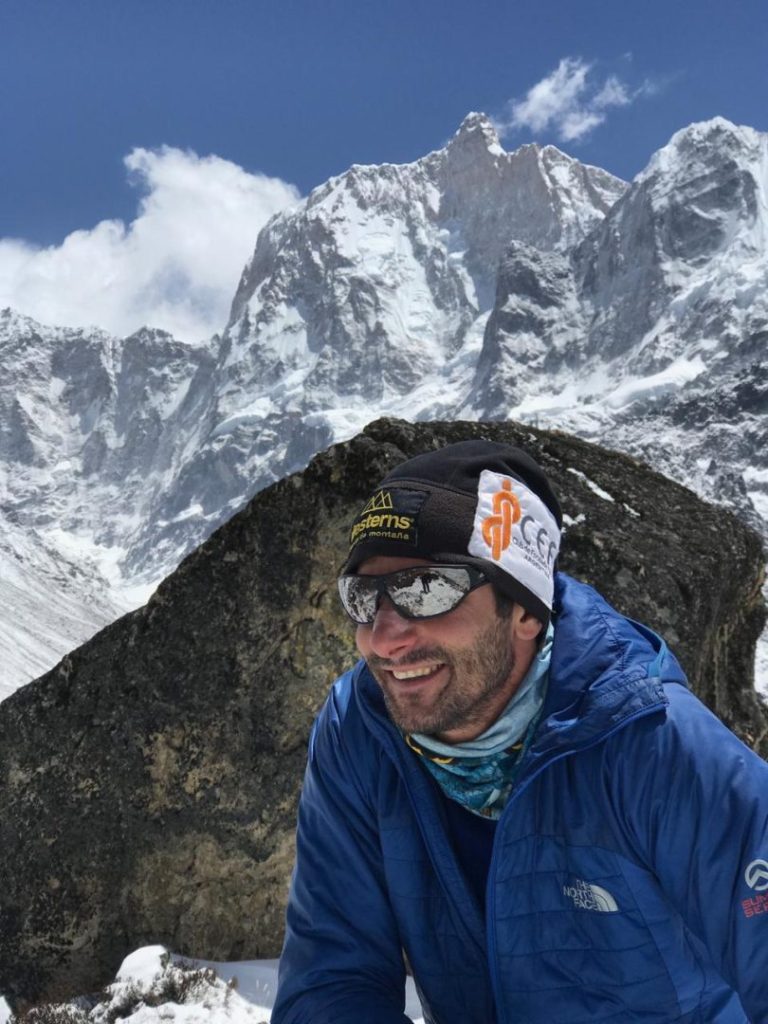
pixel 587 896
pixel 756 875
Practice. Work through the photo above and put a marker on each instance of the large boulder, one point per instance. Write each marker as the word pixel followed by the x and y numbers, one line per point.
pixel 148 783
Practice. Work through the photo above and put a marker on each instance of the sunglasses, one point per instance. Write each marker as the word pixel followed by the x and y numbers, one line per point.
pixel 421 592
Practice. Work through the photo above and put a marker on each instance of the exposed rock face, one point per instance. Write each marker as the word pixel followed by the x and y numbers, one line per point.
pixel 148 784
pixel 650 334
pixel 536 326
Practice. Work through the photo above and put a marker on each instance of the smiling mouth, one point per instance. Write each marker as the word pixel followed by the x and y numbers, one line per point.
pixel 415 673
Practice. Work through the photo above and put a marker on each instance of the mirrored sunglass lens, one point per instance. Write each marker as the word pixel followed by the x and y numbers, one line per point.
pixel 418 593
pixel 428 591
pixel 358 595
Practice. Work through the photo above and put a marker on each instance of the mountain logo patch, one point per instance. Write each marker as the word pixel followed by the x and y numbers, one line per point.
pixel 390 514
pixel 380 502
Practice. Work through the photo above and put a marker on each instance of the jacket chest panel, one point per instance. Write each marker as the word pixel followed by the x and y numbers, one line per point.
pixel 578 922
pixel 438 928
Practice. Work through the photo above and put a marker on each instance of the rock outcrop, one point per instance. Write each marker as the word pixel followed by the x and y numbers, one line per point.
pixel 148 784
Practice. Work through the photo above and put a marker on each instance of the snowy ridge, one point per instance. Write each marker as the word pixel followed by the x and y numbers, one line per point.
pixel 470 283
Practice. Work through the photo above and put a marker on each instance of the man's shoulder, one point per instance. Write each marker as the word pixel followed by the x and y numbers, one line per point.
pixel 585 622
pixel 688 738
pixel 695 725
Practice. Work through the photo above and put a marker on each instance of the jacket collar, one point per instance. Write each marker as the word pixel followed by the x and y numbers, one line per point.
pixel 605 670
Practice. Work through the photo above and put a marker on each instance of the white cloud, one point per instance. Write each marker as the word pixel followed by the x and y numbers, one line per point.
pixel 175 266
pixel 551 98
pixel 568 102
pixel 613 94
pixel 576 124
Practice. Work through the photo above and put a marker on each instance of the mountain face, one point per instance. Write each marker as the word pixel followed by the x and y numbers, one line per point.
pixel 380 279
pixel 48 602
pixel 91 430
pixel 373 294
pixel 652 332
pixel 472 283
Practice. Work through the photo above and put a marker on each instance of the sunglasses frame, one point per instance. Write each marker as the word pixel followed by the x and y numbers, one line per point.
pixel 476 579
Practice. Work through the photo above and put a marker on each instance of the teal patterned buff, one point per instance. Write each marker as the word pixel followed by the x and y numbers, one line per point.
pixel 480 774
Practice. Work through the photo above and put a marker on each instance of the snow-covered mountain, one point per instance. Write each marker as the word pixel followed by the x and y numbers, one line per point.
pixel 652 334
pixel 48 602
pixel 91 429
pixel 373 295
pixel 472 282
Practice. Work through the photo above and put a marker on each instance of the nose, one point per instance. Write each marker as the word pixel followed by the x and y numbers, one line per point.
pixel 392 635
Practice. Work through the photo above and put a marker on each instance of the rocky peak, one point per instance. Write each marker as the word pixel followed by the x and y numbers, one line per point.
pixel 339 287
pixel 708 187
pixel 705 145
pixel 536 195
pixel 681 258
pixel 476 133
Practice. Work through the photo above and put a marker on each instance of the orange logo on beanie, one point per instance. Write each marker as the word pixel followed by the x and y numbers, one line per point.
pixel 514 528
pixel 497 528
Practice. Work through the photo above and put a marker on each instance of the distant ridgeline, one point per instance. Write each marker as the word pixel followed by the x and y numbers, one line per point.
pixel 148 784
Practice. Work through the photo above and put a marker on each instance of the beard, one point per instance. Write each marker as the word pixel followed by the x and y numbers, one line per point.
pixel 478 675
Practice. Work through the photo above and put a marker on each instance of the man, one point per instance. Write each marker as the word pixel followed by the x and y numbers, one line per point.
pixel 515 790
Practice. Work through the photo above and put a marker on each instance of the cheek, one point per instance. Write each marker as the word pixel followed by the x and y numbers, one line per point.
pixel 363 640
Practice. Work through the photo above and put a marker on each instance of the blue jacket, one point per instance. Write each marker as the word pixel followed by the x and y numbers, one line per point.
pixel 618 887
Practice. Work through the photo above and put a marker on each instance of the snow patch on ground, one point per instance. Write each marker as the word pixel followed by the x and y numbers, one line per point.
pixel 154 985
pixel 593 486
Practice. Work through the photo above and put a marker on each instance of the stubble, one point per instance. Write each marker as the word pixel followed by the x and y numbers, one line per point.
pixel 478 675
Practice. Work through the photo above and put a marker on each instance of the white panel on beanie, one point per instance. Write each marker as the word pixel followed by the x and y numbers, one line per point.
pixel 515 529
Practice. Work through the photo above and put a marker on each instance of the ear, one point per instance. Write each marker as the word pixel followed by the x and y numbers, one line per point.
pixel 525 626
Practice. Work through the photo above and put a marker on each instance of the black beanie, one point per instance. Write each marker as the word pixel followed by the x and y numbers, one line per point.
pixel 476 502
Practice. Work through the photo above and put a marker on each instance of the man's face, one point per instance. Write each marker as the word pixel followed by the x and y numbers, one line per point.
pixel 449 676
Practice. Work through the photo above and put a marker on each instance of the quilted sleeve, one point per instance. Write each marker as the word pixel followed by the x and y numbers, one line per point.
pixel 342 960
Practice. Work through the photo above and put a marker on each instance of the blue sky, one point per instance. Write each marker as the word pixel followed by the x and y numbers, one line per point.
pixel 297 90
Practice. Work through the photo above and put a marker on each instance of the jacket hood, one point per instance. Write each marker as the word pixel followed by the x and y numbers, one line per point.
pixel 605 669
